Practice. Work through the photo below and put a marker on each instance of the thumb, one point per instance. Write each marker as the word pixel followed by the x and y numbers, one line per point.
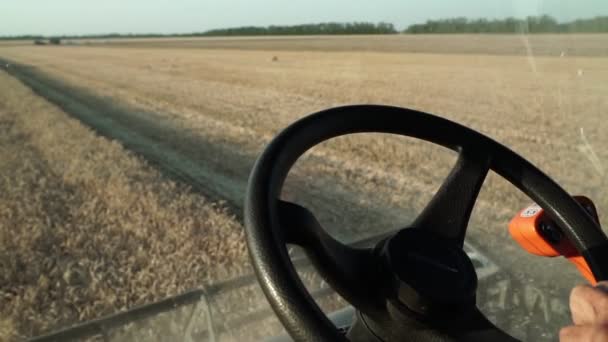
pixel 589 305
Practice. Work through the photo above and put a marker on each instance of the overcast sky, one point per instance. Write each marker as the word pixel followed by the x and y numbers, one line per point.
pixel 171 16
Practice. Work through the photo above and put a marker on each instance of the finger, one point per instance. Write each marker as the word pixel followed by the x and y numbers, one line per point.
pixel 587 333
pixel 602 286
pixel 589 305
pixel 580 305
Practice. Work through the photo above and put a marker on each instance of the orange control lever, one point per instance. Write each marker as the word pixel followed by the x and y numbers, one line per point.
pixel 538 234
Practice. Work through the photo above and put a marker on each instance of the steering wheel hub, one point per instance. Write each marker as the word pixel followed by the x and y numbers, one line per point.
pixel 431 276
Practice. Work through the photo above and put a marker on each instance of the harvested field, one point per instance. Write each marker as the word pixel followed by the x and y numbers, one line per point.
pixel 218 105
pixel 6 43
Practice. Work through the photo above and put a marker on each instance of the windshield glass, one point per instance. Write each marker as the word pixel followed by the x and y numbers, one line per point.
pixel 128 131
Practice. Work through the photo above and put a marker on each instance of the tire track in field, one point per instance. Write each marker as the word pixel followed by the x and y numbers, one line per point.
pixel 220 171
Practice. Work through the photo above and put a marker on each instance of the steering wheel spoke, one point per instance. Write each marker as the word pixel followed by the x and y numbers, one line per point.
pixel 348 270
pixel 447 214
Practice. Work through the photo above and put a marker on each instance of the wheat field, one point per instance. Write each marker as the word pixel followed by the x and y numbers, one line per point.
pixel 87 228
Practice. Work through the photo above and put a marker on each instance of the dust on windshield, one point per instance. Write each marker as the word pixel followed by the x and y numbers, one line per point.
pixel 125 157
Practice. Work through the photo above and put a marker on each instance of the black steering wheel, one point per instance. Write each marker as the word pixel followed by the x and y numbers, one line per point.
pixel 417 285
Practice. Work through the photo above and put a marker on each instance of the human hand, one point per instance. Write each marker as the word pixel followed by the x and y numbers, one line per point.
pixel 589 306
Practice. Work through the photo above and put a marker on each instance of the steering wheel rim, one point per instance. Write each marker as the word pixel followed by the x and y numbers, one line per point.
pixel 263 213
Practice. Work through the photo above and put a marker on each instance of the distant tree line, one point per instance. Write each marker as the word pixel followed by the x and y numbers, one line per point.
pixel 100 36
pixel 307 29
pixel 539 24
pixel 22 37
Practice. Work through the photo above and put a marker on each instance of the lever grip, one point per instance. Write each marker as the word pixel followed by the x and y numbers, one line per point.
pixel 538 234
